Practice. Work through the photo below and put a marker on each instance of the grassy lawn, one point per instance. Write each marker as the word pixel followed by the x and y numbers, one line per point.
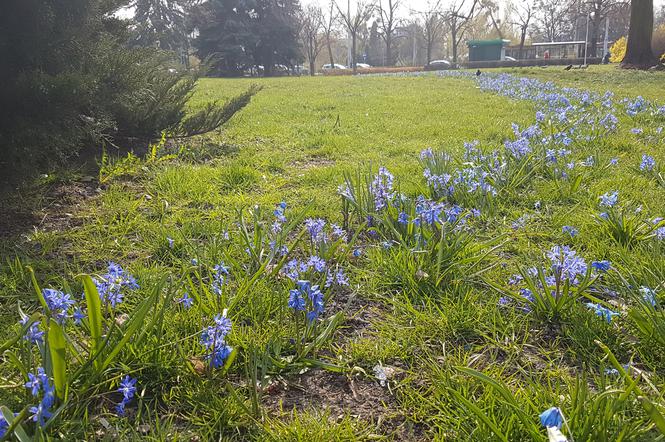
pixel 418 334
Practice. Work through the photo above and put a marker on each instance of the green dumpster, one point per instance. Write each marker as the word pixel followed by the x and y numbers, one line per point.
pixel 486 50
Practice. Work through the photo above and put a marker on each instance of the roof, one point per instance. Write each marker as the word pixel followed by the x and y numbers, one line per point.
pixel 559 43
pixel 495 42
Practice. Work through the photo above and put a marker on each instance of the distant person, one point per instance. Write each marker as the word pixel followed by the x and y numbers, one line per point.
pixel 606 58
pixel 546 55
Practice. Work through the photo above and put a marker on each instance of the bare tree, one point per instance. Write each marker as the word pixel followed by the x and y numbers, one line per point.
pixel 491 8
pixel 353 23
pixel 432 27
pixel 458 15
pixel 522 15
pixel 329 31
pixel 311 35
pixel 638 50
pixel 598 10
pixel 388 22
pixel 550 18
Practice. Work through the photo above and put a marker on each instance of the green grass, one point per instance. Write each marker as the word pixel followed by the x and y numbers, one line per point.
pixel 295 142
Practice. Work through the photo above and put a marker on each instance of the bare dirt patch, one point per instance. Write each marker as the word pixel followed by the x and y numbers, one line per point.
pixel 53 209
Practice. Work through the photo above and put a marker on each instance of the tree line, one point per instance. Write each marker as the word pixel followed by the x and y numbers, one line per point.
pixel 263 36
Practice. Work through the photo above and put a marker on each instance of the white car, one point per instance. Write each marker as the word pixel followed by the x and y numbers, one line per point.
pixel 363 65
pixel 506 58
pixel 435 65
pixel 328 66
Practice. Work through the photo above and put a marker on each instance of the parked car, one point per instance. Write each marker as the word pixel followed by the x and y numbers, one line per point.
pixel 438 65
pixel 363 66
pixel 328 66
pixel 509 59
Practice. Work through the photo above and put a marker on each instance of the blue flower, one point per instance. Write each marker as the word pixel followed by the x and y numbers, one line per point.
pixel 219 356
pixel 552 417
pixel 171 242
pixel 614 161
pixel 40 413
pixel 601 311
pixel 648 163
pixel 648 295
pixel 527 294
pixel 296 300
pixel 127 387
pixel 78 316
pixel 113 283
pixel 609 199
pixel 120 408
pixel 34 384
pixel 340 278
pixel 357 252
pixel 306 297
pixel 315 229
pixel 566 263
pixel 214 339
pixel 601 266
pixel 572 231
pixel 403 218
pixel 520 222
pixel 382 189
pixel 515 279
pixel 58 303
pixel 317 263
pixel 4 426
pixel 337 232
pixel 186 300
pixel 33 333
pixel 219 277
pixel 214 335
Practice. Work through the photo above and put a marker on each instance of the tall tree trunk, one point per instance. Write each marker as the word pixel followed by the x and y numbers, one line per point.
pixel 353 52
pixel 638 51
pixel 312 67
pixel 522 39
pixel 595 30
pixel 389 50
pixel 454 43
pixel 429 50
pixel 332 60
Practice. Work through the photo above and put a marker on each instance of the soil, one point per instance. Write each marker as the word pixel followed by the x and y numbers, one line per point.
pixel 53 209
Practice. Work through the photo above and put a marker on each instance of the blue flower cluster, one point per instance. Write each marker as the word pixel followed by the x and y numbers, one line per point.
pixel 33 334
pixel 566 264
pixel 127 388
pixel 214 339
pixel 58 303
pixel 40 384
pixel 308 298
pixel 382 189
pixel 219 276
pixel 113 284
pixel 601 311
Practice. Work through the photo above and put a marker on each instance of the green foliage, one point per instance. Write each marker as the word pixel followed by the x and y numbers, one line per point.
pixel 238 35
pixel 72 83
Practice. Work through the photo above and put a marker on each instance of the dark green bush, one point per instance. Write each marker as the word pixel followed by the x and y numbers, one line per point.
pixel 70 81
